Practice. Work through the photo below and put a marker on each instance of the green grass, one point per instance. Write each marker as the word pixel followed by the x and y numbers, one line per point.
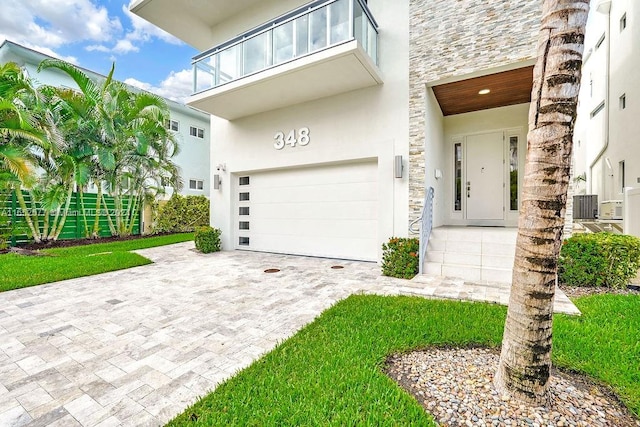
pixel 330 373
pixel 19 271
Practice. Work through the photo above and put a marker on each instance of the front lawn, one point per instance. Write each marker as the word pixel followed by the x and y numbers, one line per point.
pixel 330 373
pixel 19 271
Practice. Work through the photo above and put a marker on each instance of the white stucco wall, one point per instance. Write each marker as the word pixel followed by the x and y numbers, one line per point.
pixel 596 145
pixel 435 158
pixel 370 123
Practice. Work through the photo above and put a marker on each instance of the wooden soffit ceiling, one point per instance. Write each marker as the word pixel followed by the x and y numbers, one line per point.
pixel 506 88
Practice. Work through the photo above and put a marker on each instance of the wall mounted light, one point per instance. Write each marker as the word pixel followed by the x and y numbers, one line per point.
pixel 398 167
pixel 216 182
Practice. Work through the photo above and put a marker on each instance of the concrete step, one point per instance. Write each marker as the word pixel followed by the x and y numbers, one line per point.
pixel 471 253
pixel 469 272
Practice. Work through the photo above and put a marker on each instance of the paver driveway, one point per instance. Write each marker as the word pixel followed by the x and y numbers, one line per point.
pixel 136 347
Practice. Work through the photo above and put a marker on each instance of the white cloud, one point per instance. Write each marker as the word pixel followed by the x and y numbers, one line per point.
pixel 140 32
pixel 177 86
pixel 144 31
pixel 125 46
pixel 97 47
pixel 51 24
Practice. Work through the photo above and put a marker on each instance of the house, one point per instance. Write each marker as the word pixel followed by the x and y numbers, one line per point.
pixel 607 135
pixel 191 127
pixel 331 119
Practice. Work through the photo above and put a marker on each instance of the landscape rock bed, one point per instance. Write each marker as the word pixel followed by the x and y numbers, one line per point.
pixel 455 385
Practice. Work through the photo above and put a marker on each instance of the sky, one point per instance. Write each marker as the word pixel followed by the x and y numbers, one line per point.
pixel 94 34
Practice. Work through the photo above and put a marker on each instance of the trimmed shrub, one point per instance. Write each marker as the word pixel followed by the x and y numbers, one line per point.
pixel 182 214
pixel 207 239
pixel 599 259
pixel 400 257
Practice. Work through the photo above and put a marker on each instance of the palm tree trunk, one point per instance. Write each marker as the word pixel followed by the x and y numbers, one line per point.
pixel 112 227
pixel 132 217
pixel 525 361
pixel 65 212
pixel 84 214
pixel 96 220
pixel 45 225
pixel 118 207
pixel 27 216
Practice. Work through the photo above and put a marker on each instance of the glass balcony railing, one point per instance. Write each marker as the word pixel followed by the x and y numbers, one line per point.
pixel 316 26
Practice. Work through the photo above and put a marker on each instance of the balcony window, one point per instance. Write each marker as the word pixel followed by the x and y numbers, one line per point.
pixel 283 43
pixel 302 35
pixel 316 26
pixel 339 21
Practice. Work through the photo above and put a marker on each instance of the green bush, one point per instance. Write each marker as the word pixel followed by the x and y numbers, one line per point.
pixel 207 239
pixel 182 214
pixel 599 259
pixel 400 257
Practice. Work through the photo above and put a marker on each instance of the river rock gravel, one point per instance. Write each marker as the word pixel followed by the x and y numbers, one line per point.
pixel 455 385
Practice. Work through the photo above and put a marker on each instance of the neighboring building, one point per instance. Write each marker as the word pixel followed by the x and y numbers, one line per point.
pixel 607 135
pixel 331 118
pixel 192 127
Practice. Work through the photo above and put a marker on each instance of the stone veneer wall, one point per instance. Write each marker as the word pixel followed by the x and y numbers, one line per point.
pixel 451 38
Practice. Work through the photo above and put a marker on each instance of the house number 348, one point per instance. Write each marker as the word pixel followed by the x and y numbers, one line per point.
pixel 301 137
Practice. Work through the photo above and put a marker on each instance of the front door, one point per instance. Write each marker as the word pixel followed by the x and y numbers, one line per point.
pixel 484 184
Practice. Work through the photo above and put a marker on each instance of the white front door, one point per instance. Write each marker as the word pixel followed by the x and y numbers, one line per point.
pixel 484 184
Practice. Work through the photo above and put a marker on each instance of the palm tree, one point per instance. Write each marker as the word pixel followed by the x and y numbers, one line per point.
pixel 26 133
pixel 523 371
pixel 130 142
pixel 18 129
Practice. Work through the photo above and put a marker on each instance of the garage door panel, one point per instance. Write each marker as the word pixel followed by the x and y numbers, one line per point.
pixel 314 228
pixel 312 210
pixel 323 246
pixel 364 191
pixel 329 211
pixel 332 174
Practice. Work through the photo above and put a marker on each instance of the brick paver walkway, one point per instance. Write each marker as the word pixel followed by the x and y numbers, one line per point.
pixel 136 347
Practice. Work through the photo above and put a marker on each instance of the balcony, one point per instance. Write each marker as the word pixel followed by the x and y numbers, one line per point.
pixel 322 49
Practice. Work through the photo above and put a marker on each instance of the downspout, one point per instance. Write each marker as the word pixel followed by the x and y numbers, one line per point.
pixel 605 8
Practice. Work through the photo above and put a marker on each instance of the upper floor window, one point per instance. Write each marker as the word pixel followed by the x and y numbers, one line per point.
pixel 173 125
pixel 196 184
pixel 196 131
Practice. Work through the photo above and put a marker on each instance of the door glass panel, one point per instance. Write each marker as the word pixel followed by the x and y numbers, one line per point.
pixel 513 173
pixel 457 168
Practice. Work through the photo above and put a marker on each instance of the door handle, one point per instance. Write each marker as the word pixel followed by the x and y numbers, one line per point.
pixel 468 189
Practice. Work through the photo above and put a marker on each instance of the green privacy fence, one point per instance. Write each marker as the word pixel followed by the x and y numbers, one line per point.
pixel 14 228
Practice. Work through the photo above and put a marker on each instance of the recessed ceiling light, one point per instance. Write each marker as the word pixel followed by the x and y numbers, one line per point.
pixel 484 91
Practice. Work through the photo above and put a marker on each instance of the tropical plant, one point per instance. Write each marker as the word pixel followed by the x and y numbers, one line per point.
pixel 182 214
pixel 400 257
pixel 599 259
pixel 525 361
pixel 121 145
pixel 207 239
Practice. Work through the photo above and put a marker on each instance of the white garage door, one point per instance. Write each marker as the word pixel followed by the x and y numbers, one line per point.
pixel 328 211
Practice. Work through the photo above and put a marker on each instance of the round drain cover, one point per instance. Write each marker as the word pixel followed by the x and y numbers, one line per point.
pixel 337 267
pixel 272 270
